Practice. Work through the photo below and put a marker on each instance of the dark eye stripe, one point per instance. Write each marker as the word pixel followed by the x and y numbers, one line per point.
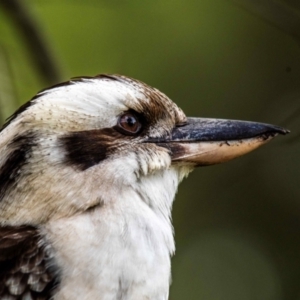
pixel 84 149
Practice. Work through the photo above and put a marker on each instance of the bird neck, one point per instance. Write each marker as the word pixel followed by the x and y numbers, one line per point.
pixel 120 248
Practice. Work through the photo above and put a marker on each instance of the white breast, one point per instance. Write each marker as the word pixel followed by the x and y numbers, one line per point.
pixel 121 250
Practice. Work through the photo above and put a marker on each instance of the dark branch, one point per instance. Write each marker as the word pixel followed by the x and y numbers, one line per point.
pixel 36 46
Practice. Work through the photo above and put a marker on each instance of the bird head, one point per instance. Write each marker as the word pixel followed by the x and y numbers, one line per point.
pixel 85 142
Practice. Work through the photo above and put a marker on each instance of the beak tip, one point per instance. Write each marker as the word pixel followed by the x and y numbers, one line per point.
pixel 280 130
pixel 286 131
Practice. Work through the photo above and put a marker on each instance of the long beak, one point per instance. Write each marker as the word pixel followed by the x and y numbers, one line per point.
pixel 204 141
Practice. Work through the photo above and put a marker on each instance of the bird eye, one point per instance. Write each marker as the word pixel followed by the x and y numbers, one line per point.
pixel 129 123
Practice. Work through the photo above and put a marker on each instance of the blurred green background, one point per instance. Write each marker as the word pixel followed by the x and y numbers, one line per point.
pixel 237 225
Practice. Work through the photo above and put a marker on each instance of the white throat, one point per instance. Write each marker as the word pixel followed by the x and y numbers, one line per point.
pixel 120 250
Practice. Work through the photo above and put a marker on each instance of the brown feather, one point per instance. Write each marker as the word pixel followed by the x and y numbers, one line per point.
pixel 26 270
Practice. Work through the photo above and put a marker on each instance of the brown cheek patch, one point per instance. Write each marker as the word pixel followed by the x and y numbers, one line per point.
pixel 85 149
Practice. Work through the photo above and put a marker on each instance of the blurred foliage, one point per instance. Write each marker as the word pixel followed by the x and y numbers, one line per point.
pixel 237 225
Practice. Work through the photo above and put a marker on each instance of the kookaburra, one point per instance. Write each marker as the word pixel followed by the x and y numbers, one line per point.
pixel 88 173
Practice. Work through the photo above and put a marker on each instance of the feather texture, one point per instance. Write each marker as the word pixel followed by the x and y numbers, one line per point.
pixel 26 267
